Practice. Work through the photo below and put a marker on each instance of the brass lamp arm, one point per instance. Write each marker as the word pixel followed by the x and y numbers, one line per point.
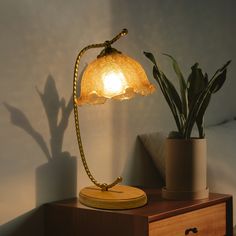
pixel 103 186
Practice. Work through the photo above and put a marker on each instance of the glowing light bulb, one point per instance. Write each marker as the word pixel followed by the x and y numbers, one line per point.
pixel 113 83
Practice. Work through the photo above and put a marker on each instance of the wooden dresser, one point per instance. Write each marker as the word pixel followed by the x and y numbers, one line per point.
pixel 209 217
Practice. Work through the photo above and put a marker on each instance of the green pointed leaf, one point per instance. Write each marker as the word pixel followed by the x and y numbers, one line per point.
pixel 201 113
pixel 214 85
pixel 173 93
pixel 158 75
pixel 219 81
pixel 182 83
pixel 200 116
pixel 196 84
pixel 177 70
pixel 225 65
pixel 197 91
pixel 196 80
pixel 150 56
pixel 222 68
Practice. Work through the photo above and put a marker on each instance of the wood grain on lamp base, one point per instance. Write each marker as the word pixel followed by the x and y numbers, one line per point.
pixel 118 197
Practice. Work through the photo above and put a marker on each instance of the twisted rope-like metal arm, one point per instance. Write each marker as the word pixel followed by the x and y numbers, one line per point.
pixel 103 186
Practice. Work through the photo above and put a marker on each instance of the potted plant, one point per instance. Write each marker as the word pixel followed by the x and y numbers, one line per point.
pixel 186 155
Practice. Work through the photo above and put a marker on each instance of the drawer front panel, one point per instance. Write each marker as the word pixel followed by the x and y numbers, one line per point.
pixel 209 221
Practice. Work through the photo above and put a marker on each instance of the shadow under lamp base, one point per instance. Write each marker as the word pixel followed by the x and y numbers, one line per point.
pixel 116 198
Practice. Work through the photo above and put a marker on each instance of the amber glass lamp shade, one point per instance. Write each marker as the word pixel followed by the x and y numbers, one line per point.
pixel 115 76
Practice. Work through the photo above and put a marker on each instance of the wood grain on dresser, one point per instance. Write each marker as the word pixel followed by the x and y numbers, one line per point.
pixel 212 216
pixel 209 221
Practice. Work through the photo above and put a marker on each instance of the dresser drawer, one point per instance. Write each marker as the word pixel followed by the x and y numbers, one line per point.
pixel 209 221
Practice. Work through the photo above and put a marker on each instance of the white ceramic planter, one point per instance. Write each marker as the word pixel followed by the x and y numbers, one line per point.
pixel 186 171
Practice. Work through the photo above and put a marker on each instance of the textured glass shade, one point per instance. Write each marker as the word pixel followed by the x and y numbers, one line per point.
pixel 115 76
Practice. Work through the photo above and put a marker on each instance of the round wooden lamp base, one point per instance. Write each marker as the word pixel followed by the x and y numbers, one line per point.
pixel 119 197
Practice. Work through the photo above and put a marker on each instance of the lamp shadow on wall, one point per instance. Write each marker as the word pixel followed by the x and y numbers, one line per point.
pixel 57 178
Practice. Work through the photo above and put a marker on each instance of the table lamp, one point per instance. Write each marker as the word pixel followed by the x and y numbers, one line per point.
pixel 112 75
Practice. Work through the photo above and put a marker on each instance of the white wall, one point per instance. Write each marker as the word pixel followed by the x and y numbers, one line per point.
pixel 38 45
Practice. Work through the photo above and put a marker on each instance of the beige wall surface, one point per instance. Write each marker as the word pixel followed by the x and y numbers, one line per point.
pixel 39 41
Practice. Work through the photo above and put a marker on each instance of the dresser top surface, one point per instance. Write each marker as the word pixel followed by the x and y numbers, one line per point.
pixel 156 208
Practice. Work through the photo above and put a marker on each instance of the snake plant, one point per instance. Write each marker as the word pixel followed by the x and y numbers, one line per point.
pixel 188 107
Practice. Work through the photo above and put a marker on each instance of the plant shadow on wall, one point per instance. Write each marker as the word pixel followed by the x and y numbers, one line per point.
pixel 55 179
